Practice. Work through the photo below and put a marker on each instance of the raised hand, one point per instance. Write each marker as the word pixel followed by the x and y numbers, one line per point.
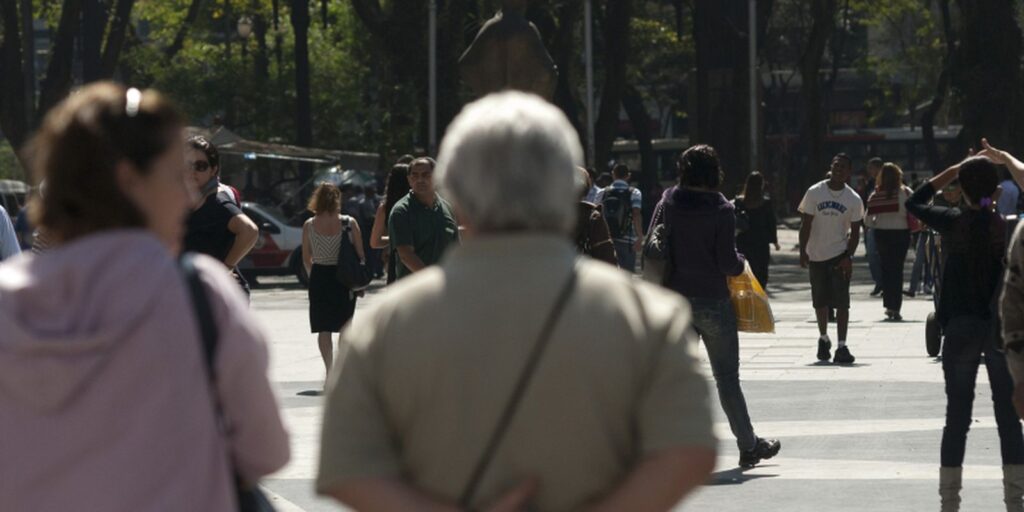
pixel 996 155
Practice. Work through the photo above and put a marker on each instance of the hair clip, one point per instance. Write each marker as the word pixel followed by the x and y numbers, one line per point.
pixel 986 202
pixel 133 100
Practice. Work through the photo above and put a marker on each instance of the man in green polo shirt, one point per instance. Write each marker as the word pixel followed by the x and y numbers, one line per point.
pixel 422 224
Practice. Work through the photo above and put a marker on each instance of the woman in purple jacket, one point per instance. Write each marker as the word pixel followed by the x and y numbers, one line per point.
pixel 702 234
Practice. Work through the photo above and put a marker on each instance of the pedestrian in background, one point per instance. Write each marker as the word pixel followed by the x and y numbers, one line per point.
pixel 9 245
pixel 395 189
pixel 887 219
pixel 592 236
pixel 105 399
pixel 331 304
pixel 622 205
pixel 614 415
pixel 422 224
pixel 217 227
pixel 870 245
pixel 975 237
pixel 702 230
pixel 756 228
pixel 831 217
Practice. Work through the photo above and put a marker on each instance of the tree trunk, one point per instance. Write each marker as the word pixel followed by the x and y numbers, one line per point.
pixel 722 101
pixel 191 16
pixel 28 48
pixel 633 103
pixel 987 74
pixel 14 113
pixel 618 15
pixel 303 113
pixel 813 126
pixel 262 58
pixel 93 25
pixel 941 90
pixel 58 79
pixel 116 37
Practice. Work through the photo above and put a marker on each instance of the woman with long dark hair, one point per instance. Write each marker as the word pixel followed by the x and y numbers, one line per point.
pixel 396 188
pixel 887 217
pixel 974 238
pixel 756 227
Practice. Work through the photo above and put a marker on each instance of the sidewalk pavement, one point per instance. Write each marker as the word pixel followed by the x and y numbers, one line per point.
pixel 860 437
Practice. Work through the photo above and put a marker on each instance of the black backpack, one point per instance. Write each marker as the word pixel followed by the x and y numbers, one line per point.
pixel 618 211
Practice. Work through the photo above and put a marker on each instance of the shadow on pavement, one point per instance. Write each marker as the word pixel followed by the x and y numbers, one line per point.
pixel 735 476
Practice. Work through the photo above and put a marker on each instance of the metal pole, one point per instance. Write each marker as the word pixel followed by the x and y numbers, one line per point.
pixel 588 37
pixel 754 79
pixel 432 94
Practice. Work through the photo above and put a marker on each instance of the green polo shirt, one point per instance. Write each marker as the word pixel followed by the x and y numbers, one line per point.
pixel 429 230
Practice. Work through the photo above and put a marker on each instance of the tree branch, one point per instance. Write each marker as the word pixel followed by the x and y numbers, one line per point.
pixel 372 15
pixel 58 74
pixel 179 38
pixel 116 37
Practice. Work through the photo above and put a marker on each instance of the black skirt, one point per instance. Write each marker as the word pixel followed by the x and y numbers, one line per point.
pixel 331 304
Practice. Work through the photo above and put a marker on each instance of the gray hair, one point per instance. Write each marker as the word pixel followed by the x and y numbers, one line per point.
pixel 508 162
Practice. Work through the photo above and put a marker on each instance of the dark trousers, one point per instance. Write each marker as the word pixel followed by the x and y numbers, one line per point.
pixel 759 256
pixel 892 250
pixel 968 344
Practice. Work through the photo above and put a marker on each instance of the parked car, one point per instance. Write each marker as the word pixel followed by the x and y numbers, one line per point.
pixel 278 251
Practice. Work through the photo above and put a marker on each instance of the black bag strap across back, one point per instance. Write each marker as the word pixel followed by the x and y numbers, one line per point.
pixel 249 499
pixel 532 361
pixel 201 305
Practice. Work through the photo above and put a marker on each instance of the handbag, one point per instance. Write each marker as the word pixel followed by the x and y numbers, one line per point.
pixel 351 272
pixel 532 360
pixel 250 499
pixel 656 256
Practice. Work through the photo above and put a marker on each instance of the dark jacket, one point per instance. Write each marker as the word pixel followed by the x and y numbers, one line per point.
pixel 703 242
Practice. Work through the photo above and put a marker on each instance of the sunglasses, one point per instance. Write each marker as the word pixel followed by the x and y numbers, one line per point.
pixel 200 166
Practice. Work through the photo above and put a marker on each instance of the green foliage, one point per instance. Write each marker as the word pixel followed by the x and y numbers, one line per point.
pixel 213 79
pixel 663 60
pixel 10 167
pixel 908 52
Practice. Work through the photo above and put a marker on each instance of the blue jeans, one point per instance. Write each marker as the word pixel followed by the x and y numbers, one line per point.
pixel 921 269
pixel 715 322
pixel 627 256
pixel 967 345
pixel 874 259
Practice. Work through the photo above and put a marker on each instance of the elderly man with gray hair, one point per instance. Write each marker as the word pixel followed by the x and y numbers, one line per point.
pixel 516 375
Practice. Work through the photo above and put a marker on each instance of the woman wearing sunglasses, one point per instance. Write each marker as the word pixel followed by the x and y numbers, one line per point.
pixel 217 227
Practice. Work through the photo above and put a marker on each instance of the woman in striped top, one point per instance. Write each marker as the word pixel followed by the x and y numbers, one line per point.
pixel 887 217
pixel 331 304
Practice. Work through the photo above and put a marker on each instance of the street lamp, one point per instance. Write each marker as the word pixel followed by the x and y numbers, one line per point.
pixel 245 27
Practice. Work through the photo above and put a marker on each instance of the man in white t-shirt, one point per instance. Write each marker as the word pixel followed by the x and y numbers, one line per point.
pixel 832 214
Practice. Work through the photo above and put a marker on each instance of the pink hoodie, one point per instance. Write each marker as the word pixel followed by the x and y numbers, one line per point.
pixel 104 399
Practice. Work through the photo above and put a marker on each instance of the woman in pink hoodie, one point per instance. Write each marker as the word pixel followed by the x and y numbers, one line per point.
pixel 105 401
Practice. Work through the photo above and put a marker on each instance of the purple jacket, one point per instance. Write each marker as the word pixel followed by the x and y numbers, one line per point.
pixel 703 242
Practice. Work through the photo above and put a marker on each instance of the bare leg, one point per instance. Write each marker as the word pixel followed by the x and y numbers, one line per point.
pixel 843 322
pixel 822 314
pixel 326 349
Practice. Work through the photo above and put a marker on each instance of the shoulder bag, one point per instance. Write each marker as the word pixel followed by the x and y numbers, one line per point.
pixel 250 499
pixel 351 272
pixel 656 257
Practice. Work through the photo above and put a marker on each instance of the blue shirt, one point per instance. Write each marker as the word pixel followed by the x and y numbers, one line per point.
pixel 9 246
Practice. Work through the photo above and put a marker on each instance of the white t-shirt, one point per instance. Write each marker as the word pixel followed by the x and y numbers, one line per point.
pixel 834 212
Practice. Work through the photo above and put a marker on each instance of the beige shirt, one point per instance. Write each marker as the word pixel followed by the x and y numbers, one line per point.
pixel 423 377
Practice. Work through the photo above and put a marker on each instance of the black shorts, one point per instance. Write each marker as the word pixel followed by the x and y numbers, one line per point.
pixel 829 288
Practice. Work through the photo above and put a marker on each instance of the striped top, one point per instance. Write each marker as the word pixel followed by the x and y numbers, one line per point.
pixel 887 211
pixel 325 248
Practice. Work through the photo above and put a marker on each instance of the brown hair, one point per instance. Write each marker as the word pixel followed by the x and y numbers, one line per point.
pixel 753 189
pixel 326 199
pixel 78 148
pixel 890 180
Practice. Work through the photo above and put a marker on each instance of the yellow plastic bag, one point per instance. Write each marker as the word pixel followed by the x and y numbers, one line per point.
pixel 753 312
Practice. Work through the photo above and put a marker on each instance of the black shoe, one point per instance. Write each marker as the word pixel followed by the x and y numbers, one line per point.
pixel 824 345
pixel 893 316
pixel 909 293
pixel 843 356
pixel 763 450
pixel 877 291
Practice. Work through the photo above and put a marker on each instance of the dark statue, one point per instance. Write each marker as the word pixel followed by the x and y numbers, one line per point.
pixel 508 54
